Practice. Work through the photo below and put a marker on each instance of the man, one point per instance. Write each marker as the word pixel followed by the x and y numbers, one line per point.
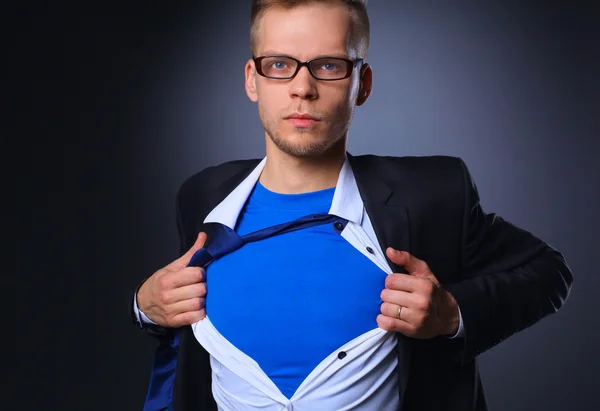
pixel 386 305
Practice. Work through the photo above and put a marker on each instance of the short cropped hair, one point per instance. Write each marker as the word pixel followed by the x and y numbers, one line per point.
pixel 357 9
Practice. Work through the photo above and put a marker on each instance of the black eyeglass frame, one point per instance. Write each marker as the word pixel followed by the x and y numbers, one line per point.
pixel 350 65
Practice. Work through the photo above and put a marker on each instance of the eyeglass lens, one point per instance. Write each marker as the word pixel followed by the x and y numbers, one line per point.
pixel 324 68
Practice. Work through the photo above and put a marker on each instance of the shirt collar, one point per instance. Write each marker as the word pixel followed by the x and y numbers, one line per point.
pixel 346 202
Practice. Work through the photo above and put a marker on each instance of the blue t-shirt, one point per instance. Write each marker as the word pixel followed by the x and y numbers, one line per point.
pixel 291 300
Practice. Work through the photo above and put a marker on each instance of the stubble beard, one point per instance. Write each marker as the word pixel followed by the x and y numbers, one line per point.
pixel 307 146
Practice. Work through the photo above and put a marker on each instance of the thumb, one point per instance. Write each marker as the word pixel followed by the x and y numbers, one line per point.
pixel 414 266
pixel 185 259
pixel 404 259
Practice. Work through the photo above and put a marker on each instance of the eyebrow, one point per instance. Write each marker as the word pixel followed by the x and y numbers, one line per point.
pixel 278 53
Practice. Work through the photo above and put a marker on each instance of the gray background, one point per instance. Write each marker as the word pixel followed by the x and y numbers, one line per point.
pixel 116 106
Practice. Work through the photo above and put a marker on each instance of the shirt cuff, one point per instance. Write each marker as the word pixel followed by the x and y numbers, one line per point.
pixel 461 327
pixel 140 316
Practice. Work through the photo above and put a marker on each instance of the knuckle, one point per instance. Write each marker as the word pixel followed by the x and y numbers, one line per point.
pixel 426 286
pixel 392 280
pixel 201 274
pixel 384 308
pixel 195 274
pixel 169 313
pixel 422 303
pixel 163 282
pixel 195 304
pixel 381 322
pixel 163 297
pixel 392 311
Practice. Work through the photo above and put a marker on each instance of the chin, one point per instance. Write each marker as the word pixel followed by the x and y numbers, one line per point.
pixel 304 144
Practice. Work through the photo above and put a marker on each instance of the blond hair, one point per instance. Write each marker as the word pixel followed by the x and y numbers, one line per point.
pixel 357 9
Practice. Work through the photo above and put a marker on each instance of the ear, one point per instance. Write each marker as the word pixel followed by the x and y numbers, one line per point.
pixel 250 74
pixel 366 84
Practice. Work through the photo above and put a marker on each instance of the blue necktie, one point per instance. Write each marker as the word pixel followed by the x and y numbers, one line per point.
pixel 224 241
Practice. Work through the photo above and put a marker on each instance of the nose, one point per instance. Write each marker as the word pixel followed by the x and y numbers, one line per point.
pixel 303 85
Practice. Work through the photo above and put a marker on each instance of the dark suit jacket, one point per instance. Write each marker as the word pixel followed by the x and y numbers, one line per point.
pixel 503 278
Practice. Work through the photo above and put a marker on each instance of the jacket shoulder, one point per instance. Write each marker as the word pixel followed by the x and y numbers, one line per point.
pixel 213 176
pixel 416 168
pixel 418 180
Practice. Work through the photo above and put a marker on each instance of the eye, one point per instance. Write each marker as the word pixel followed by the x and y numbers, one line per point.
pixel 330 66
pixel 278 64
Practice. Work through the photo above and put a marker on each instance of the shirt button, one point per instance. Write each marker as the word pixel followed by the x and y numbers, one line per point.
pixel 370 250
pixel 338 226
pixel 341 355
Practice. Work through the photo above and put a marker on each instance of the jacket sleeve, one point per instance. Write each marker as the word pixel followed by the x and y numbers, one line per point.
pixel 163 334
pixel 510 278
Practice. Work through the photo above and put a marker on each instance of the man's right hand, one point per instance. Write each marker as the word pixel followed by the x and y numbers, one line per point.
pixel 174 296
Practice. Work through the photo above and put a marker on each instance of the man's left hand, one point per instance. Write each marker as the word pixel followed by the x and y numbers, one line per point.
pixel 427 309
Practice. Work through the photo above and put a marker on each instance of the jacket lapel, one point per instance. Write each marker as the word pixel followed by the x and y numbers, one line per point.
pixel 193 381
pixel 220 193
pixel 390 219
pixel 384 204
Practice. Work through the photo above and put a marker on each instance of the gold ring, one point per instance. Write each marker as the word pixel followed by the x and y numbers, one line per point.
pixel 399 312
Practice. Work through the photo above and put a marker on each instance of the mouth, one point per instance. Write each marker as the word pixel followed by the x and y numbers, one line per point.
pixel 302 120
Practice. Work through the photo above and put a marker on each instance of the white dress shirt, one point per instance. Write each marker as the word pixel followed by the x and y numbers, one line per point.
pixel 364 377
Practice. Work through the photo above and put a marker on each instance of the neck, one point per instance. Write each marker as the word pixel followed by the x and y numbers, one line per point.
pixel 287 174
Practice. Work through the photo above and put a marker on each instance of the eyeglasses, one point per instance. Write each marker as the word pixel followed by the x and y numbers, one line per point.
pixel 323 68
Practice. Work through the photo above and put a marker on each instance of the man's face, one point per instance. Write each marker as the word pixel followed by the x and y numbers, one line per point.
pixel 306 32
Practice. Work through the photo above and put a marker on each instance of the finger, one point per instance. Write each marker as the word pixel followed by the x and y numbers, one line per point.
pixel 402 282
pixel 429 276
pixel 187 292
pixel 391 311
pixel 185 259
pixel 181 307
pixel 404 259
pixel 393 324
pixel 184 277
pixel 402 298
pixel 188 318
pixel 422 283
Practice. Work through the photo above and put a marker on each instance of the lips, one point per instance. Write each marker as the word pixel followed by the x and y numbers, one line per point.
pixel 302 116
pixel 302 120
